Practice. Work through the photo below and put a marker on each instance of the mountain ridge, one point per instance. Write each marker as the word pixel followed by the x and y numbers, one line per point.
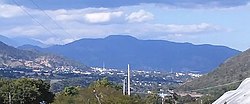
pixel 11 57
pixel 118 50
pixel 20 41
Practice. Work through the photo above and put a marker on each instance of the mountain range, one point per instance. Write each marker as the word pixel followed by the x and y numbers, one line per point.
pixel 116 51
pixel 11 57
pixel 20 41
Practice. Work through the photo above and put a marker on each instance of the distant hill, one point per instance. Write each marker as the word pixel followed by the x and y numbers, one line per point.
pixel 11 57
pixel 234 69
pixel 19 41
pixel 30 48
pixel 117 51
pixel 27 41
pixel 8 41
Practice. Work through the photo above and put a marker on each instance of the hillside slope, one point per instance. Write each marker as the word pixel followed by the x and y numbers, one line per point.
pixel 234 69
pixel 11 57
pixel 118 50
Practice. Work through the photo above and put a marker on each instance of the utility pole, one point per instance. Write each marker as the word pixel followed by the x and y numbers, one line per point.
pixel 124 86
pixel 128 81
pixel 162 100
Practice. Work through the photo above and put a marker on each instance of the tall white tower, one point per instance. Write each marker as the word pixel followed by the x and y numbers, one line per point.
pixel 128 80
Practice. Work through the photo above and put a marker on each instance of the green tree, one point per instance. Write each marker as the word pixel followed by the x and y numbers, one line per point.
pixel 101 83
pixel 26 91
pixel 186 99
pixel 152 98
pixel 70 91
pixel 104 90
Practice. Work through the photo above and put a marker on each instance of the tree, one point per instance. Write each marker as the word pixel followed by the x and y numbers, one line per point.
pixel 26 91
pixel 101 83
pixel 186 99
pixel 152 98
pixel 102 90
pixel 70 91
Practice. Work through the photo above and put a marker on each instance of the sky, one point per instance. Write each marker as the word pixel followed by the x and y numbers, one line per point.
pixel 217 22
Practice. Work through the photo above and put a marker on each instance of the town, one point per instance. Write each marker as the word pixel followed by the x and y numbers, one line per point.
pixel 142 81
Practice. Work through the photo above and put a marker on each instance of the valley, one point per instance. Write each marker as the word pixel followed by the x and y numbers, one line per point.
pixel 124 52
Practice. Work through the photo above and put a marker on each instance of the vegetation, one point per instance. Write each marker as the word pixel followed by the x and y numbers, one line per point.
pixel 233 70
pixel 60 85
pixel 31 91
pixel 100 91
pixel 25 91
pixel 212 93
pixel 227 76
pixel 11 57
pixel 71 91
pixel 104 92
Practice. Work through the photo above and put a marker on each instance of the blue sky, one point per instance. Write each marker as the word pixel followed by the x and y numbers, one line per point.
pixel 218 22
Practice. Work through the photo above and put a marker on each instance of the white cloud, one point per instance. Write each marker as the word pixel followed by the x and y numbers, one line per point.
pixel 24 30
pixel 66 15
pixel 187 29
pixel 88 15
pixel 77 23
pixel 140 16
pixel 8 11
pixel 102 17
pixel 52 40
pixel 58 40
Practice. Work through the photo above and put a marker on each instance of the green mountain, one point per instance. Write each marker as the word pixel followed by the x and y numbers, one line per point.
pixel 11 57
pixel 232 71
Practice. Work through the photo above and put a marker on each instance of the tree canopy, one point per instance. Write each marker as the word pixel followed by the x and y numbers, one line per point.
pixel 102 90
pixel 25 91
